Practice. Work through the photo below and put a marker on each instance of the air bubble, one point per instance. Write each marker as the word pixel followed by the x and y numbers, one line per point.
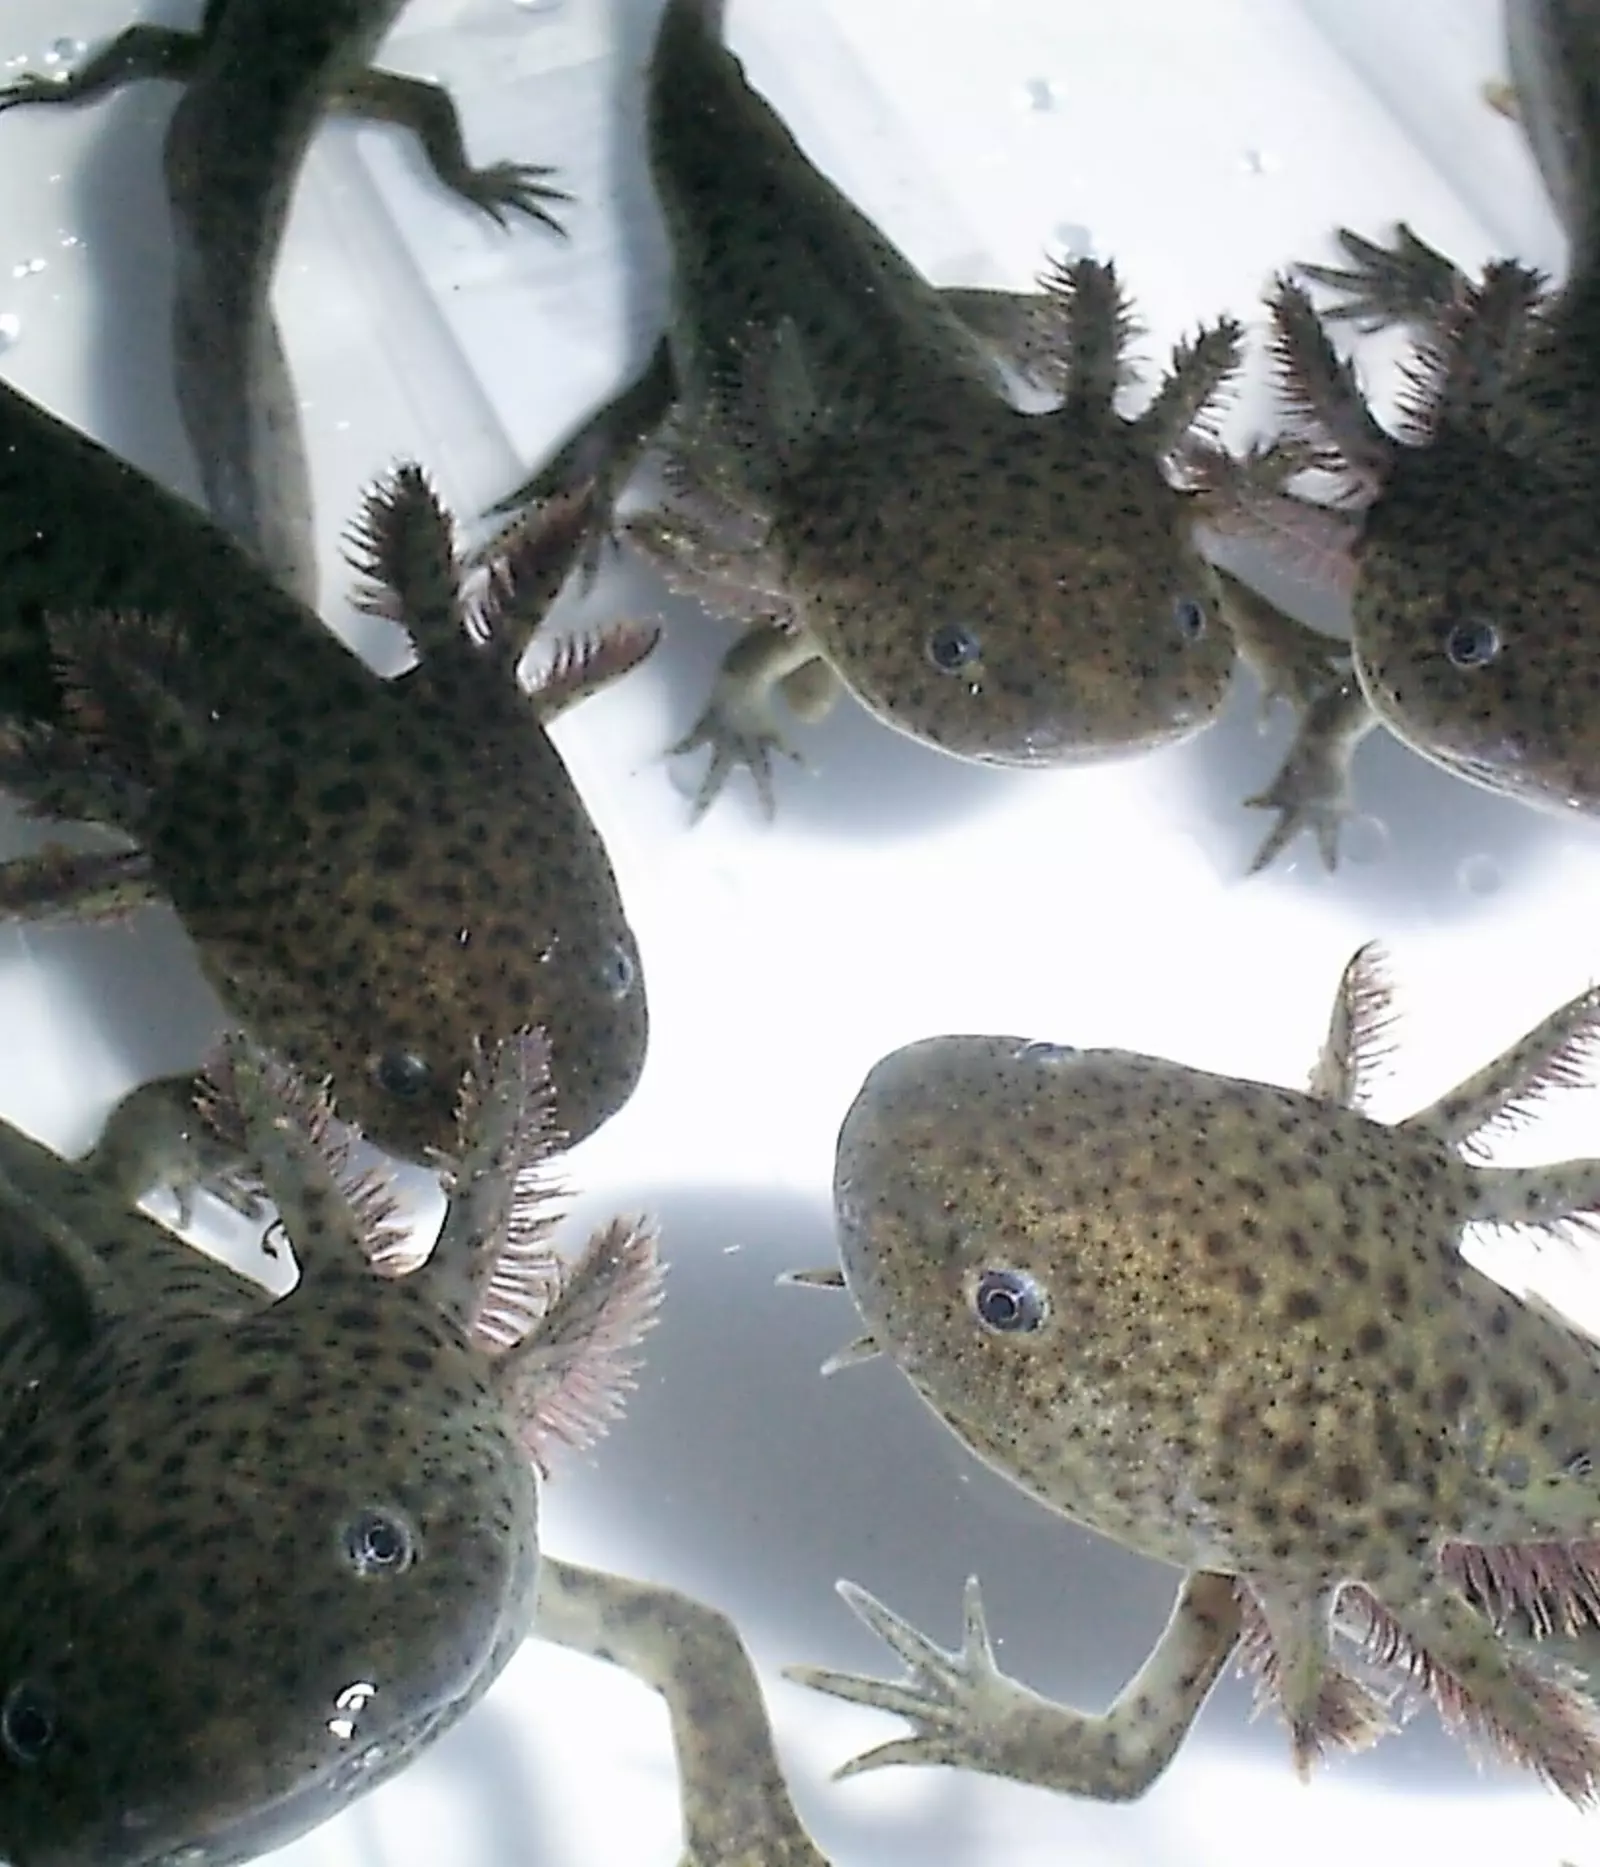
pixel 10 329
pixel 1480 876
pixel 27 268
pixel 537 6
pixel 1041 94
pixel 1259 162
pixel 1073 239
pixel 1365 841
pixel 64 51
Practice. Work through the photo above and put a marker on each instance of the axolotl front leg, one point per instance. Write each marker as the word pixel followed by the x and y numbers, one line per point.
pixel 736 1807
pixel 970 1715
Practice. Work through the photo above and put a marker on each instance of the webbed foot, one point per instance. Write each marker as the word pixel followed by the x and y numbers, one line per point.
pixel 1311 788
pixel 969 1715
pixel 1408 282
pixel 429 112
pixel 740 722
pixel 505 188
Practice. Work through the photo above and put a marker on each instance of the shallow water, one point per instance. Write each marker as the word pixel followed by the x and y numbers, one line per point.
pixel 899 893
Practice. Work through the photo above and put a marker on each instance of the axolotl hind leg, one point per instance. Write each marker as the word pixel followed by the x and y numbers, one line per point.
pixel 736 1806
pixel 970 1715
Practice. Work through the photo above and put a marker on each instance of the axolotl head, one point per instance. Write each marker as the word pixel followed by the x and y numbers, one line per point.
pixel 949 1223
pixel 249 1571
pixel 1013 588
pixel 1476 620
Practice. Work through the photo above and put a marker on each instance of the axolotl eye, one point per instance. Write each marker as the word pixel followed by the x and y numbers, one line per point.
pixel 1472 644
pixel 1189 619
pixel 27 1723
pixel 403 1074
pixel 617 971
pixel 378 1542
pixel 952 647
pixel 1009 1302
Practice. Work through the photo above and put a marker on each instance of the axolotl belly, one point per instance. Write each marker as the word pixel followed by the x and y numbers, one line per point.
pixel 1230 1326
pixel 374 873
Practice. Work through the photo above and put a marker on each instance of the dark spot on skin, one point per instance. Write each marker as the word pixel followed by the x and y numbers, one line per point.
pixel 1302 1305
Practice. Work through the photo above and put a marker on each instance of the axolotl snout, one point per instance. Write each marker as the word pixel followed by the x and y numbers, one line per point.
pixel 1230 1326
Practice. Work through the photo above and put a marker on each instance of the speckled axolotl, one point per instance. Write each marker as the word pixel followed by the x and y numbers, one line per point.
pixel 853 479
pixel 1230 1326
pixel 1474 571
pixel 258 76
pixel 373 872
pixel 256 1556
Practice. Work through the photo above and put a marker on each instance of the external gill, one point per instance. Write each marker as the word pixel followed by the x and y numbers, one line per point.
pixel 403 547
pixel 1453 1655
pixel 1558 1053
pixel 491 1267
pixel 1360 1031
pixel 1287 1646
pixel 331 1210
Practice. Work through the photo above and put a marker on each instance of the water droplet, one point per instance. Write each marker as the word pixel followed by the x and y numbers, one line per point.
pixel 10 329
pixel 1480 876
pixel 1365 841
pixel 27 268
pixel 1072 238
pixel 64 51
pixel 1041 94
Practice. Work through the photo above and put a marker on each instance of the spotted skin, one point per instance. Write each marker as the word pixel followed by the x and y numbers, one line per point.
pixel 259 1554
pixel 257 78
pixel 372 872
pixel 1229 1325
pixel 852 478
pixel 1475 571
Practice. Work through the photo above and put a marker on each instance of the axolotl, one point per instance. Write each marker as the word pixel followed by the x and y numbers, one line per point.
pixel 258 76
pixel 1230 1326
pixel 853 477
pixel 257 1555
pixel 1468 542
pixel 373 872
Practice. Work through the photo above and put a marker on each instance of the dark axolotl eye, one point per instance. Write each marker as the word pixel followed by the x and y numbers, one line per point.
pixel 951 647
pixel 1009 1302
pixel 617 971
pixel 1472 644
pixel 378 1542
pixel 27 1722
pixel 1189 618
pixel 403 1074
